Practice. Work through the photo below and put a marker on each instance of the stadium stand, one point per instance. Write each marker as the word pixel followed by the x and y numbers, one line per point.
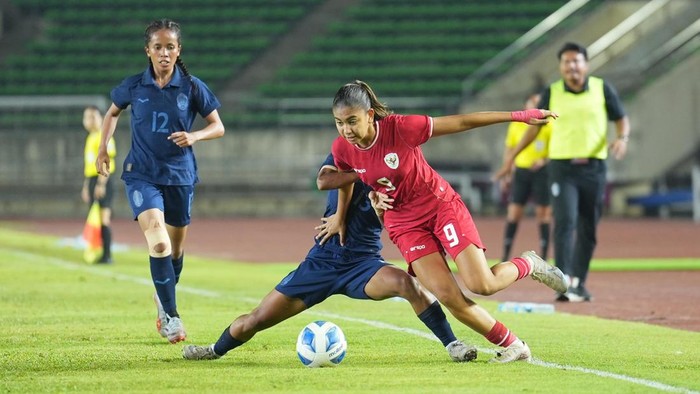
pixel 276 64
pixel 407 48
pixel 87 47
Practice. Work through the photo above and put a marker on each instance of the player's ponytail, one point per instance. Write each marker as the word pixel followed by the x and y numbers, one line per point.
pixel 360 94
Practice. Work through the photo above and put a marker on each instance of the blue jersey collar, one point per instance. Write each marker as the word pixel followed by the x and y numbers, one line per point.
pixel 175 81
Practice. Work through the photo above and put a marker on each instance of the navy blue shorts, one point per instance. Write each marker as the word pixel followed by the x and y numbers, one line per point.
pixel 324 273
pixel 527 184
pixel 106 200
pixel 175 201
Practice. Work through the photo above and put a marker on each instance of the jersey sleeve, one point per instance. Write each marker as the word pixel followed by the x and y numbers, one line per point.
pixel 329 162
pixel 205 98
pixel 337 151
pixel 121 95
pixel 415 129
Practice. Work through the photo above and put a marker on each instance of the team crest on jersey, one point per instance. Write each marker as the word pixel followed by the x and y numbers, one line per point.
pixel 392 160
pixel 182 101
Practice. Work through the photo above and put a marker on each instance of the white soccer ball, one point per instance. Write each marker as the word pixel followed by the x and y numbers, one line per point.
pixel 321 344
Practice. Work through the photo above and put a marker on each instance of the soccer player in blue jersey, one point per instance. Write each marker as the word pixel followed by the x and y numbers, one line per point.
pixel 351 266
pixel 160 170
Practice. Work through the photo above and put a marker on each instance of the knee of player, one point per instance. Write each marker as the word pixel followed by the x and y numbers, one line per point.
pixel 482 288
pixel 158 242
pixel 406 287
pixel 160 249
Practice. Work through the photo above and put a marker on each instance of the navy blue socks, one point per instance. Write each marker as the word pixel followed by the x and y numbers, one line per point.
pixel 177 266
pixel 434 318
pixel 226 343
pixel 163 276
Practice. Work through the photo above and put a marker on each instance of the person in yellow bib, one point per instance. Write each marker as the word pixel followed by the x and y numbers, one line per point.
pixel 528 181
pixel 97 187
pixel 578 149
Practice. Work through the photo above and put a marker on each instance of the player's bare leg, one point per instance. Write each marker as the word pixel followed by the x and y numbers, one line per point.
pixel 152 223
pixel 481 279
pixel 435 275
pixel 273 309
pixel 390 281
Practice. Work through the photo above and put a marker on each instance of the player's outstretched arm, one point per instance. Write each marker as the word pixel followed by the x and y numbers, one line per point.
pixel 444 125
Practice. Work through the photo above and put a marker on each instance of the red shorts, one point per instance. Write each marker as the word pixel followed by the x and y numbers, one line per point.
pixel 451 229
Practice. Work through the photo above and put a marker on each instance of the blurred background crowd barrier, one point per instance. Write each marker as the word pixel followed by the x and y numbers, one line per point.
pixel 276 66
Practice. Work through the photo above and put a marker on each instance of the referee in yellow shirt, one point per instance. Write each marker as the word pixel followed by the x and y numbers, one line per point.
pixel 578 148
pixel 97 187
pixel 529 180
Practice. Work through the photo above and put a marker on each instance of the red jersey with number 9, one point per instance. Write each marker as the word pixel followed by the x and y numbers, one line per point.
pixel 394 164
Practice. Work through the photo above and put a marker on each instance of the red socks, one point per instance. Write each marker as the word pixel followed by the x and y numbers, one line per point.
pixel 500 335
pixel 523 266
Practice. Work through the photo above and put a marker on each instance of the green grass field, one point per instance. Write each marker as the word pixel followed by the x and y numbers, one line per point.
pixel 67 326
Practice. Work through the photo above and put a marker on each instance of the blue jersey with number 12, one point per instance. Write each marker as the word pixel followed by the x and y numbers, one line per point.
pixel 155 114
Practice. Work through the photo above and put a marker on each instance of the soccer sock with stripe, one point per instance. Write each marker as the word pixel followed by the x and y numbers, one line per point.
pixel 434 318
pixel 500 335
pixel 226 343
pixel 163 276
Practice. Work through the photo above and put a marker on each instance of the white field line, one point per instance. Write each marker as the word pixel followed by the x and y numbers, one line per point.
pixel 69 265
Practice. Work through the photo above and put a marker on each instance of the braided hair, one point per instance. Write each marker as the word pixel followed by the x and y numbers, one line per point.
pixel 174 27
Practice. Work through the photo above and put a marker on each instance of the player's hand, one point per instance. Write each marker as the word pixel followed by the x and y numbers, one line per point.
pixel 329 227
pixel 102 163
pixel 533 116
pixel 182 138
pixel 380 202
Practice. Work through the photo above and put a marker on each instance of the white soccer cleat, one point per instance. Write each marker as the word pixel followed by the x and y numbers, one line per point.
pixel 461 352
pixel 162 318
pixel 546 273
pixel 517 351
pixel 174 329
pixel 194 352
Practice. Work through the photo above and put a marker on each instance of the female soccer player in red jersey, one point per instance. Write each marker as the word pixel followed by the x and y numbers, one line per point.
pixel 425 217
